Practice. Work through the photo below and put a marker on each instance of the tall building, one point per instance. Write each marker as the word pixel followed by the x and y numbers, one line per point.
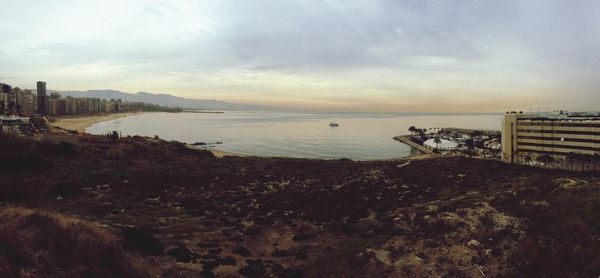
pixel 5 88
pixel 5 91
pixel 25 102
pixel 52 107
pixel 564 141
pixel 88 105
pixel 3 102
pixel 62 107
pixel 111 106
pixel 42 100
pixel 83 105
pixel 55 96
pixel 96 105
pixel 70 107
pixel 133 106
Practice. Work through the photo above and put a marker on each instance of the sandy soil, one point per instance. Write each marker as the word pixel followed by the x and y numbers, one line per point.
pixel 83 122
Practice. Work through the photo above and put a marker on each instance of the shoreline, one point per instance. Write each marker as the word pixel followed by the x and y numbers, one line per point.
pixel 81 123
pixel 221 154
pixel 217 152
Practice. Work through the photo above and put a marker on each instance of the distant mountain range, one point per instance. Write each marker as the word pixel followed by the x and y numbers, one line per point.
pixel 159 99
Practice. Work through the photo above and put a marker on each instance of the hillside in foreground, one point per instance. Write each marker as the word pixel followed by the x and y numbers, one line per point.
pixel 144 207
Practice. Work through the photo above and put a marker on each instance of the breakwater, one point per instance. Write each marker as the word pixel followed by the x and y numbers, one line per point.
pixel 406 140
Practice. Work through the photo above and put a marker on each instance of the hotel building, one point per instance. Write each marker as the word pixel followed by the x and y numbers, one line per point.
pixel 561 141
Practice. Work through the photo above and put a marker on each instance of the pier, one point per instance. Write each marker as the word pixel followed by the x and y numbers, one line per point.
pixel 406 140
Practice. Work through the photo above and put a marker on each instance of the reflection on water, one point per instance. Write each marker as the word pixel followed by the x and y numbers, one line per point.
pixel 359 136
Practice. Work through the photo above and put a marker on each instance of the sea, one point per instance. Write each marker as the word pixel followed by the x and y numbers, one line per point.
pixel 359 136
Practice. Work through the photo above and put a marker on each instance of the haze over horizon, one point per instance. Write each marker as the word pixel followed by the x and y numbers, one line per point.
pixel 368 56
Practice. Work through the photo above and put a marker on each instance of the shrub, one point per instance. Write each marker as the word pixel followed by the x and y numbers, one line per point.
pixel 12 190
pixel 64 148
pixel 114 136
pixel 142 240
pixel 545 158
pixel 60 149
pixel 19 161
pixel 38 122
pixel 571 252
pixel 67 188
pixel 13 142
pixel 346 259
pixel 115 154
pixel 51 244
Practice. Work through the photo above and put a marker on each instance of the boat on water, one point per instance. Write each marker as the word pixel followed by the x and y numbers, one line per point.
pixel 334 124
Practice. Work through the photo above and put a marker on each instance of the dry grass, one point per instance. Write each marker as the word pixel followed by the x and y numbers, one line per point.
pixel 42 244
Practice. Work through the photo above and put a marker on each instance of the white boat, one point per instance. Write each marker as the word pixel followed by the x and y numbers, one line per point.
pixel 334 124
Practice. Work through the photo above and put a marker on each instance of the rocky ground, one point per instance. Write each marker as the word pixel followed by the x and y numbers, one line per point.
pixel 176 212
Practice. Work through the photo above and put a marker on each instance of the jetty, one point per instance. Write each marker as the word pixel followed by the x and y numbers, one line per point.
pixel 406 140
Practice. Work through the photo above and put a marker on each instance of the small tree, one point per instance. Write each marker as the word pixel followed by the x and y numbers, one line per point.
pixel 412 130
pixel 114 136
pixel 469 143
pixel 437 141
pixel 475 133
pixel 38 122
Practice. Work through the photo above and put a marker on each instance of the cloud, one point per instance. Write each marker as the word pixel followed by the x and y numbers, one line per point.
pixel 479 53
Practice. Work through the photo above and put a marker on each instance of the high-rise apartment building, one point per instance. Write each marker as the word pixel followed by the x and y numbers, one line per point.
pixel 52 107
pixel 5 91
pixel 70 106
pixel 25 102
pixel 42 99
pixel 5 88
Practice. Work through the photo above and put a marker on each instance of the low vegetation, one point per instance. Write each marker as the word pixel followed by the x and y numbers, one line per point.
pixel 36 243
pixel 157 208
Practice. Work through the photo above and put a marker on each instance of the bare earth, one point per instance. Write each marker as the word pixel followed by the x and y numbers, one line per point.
pixel 83 122
pixel 145 207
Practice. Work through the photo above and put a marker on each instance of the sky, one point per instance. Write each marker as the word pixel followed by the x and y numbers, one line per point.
pixel 347 55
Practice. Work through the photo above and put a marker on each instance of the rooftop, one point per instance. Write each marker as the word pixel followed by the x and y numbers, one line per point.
pixel 559 116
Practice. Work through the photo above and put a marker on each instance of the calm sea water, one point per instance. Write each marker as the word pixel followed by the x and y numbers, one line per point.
pixel 359 136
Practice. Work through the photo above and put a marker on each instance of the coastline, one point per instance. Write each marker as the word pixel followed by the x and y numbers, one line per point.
pixel 221 154
pixel 217 152
pixel 81 123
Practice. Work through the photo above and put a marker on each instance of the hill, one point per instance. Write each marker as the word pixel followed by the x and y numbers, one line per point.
pixel 187 213
pixel 159 99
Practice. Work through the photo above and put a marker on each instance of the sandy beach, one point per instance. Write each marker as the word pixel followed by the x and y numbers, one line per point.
pixel 83 122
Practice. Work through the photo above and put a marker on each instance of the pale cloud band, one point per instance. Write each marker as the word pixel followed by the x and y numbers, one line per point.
pixel 328 55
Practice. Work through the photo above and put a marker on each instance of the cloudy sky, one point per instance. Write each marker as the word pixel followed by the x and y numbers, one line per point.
pixel 347 55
